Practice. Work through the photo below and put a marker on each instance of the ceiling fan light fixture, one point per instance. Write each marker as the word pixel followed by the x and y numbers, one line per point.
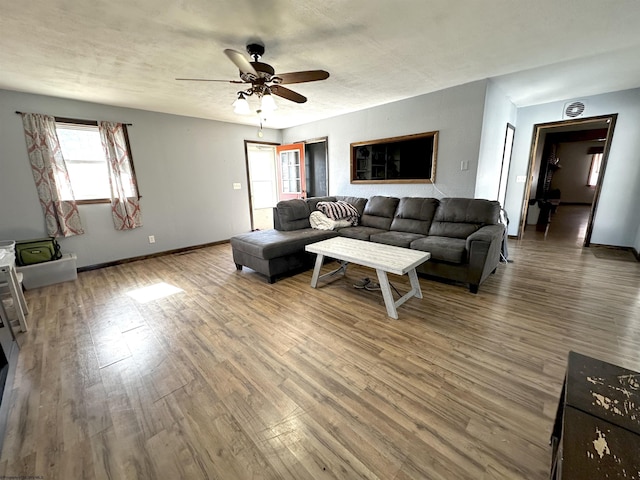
pixel 241 106
pixel 267 104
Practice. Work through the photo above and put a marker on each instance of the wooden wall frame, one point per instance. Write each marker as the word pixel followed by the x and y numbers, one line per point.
pixel 404 159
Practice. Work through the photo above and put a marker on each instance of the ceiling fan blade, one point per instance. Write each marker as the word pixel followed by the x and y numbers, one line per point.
pixel 288 94
pixel 300 77
pixel 209 80
pixel 241 62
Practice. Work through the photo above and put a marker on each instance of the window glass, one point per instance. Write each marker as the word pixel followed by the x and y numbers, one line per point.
pixel 85 160
pixel 86 163
pixel 594 171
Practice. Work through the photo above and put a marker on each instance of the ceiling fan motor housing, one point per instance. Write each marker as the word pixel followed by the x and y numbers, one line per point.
pixel 263 68
pixel 255 51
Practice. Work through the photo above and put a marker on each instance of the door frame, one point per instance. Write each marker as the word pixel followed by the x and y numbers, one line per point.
pixel 246 161
pixel 326 154
pixel 538 129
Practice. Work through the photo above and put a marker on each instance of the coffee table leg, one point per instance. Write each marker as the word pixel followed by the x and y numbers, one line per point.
pixel 316 270
pixel 386 294
pixel 415 283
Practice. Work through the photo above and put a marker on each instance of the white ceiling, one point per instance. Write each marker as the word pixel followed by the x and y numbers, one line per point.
pixel 128 53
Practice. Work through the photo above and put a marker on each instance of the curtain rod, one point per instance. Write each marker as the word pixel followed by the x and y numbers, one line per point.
pixel 80 119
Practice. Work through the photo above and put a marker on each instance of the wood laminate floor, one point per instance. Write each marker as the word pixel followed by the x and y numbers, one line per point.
pixel 233 378
pixel 568 226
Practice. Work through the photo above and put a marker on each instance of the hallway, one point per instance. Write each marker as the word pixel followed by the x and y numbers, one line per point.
pixel 568 226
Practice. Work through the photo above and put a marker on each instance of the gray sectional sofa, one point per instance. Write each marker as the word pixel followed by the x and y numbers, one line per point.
pixel 463 235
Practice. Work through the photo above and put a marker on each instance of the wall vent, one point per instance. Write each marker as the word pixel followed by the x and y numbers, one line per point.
pixel 573 110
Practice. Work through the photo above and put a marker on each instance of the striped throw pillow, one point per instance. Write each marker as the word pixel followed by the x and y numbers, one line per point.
pixel 339 210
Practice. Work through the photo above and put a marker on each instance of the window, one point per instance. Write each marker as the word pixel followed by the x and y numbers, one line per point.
pixel 594 171
pixel 86 162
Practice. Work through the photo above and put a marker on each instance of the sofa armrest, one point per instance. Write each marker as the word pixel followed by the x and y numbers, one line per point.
pixel 488 233
pixel 484 247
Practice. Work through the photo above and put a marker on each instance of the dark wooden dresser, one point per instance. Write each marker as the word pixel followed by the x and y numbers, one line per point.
pixel 596 433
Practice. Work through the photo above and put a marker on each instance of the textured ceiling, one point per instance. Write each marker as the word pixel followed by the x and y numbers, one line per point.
pixel 128 53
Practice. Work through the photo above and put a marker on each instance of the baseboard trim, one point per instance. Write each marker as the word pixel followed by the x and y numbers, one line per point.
pixel 146 257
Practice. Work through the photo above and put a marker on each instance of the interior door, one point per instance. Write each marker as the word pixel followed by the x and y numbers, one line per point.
pixel 291 174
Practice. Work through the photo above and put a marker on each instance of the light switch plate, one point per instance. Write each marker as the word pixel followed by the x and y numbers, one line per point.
pixel 236 186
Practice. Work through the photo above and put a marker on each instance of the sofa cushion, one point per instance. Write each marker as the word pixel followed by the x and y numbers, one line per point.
pixel 414 215
pixel 359 232
pixel 399 239
pixel 293 214
pixel 444 249
pixel 453 230
pixel 357 202
pixel 460 217
pixel 379 211
pixel 268 244
pixel 313 202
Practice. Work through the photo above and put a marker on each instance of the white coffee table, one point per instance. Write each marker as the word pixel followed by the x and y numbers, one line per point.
pixel 383 258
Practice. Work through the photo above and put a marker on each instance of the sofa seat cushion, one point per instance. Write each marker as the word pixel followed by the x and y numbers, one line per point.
pixel 398 239
pixel 444 249
pixel 268 244
pixel 359 232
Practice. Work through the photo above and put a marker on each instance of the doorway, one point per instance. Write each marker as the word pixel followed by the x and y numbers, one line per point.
pixel 275 172
pixel 316 167
pixel 561 172
pixel 262 183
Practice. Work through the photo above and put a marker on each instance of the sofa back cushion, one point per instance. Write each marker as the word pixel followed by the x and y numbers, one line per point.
pixel 414 215
pixel 379 211
pixel 357 202
pixel 292 215
pixel 460 217
pixel 313 202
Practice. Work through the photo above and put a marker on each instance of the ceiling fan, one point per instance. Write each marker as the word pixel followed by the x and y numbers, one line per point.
pixel 262 80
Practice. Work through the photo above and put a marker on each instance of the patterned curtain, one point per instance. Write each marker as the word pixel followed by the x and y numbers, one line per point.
pixel 125 206
pixel 51 176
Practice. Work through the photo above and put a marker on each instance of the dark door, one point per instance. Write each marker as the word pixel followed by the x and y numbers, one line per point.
pixel 316 169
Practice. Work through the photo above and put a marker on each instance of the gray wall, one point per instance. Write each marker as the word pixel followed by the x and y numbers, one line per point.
pixel 571 179
pixel 185 167
pixel 617 218
pixel 498 111
pixel 457 113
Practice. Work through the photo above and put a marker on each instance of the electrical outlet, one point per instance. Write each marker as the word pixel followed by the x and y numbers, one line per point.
pixel 521 178
pixel 464 165
pixel 152 239
pixel 236 186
